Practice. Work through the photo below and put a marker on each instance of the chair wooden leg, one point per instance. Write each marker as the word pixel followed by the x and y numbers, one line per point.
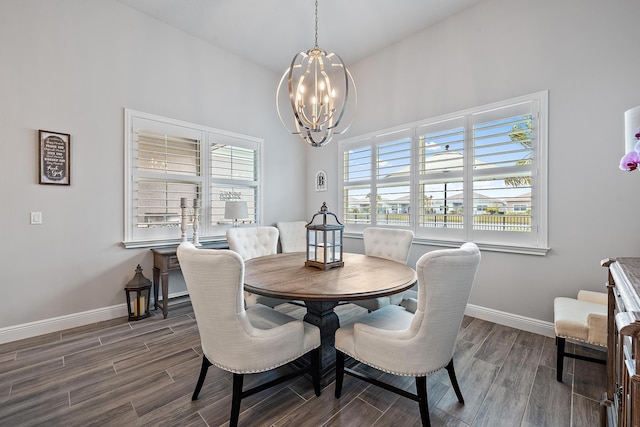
pixel 421 388
pixel 560 342
pixel 235 399
pixel 203 374
pixel 454 381
pixel 339 372
pixel 315 370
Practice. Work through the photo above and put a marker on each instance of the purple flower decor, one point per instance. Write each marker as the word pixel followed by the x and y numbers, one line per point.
pixel 631 160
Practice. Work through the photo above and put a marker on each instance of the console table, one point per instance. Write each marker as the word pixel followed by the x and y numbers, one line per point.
pixel 621 401
pixel 165 260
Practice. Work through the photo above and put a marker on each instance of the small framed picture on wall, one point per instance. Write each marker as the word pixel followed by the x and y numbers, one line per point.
pixel 321 181
pixel 55 157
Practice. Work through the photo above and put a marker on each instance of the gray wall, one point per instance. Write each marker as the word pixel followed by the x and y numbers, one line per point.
pixel 72 66
pixel 586 54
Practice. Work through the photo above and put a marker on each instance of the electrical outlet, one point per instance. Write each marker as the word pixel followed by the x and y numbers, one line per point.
pixel 36 217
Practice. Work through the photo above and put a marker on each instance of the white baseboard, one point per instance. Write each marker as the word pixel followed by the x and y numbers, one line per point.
pixel 513 320
pixel 56 324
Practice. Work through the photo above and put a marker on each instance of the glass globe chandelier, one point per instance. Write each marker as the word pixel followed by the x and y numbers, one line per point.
pixel 320 92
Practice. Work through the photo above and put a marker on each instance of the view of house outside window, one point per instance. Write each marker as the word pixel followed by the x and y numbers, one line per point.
pixel 476 175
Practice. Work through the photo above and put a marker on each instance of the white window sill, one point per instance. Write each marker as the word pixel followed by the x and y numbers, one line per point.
pixel 491 247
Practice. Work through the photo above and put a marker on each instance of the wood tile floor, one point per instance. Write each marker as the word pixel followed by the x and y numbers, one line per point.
pixel 120 373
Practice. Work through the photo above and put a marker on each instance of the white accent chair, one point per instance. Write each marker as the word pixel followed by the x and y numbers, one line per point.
pixel 583 320
pixel 398 342
pixel 252 242
pixel 293 236
pixel 241 341
pixel 393 244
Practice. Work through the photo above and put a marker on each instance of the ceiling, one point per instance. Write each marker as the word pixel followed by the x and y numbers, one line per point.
pixel 271 32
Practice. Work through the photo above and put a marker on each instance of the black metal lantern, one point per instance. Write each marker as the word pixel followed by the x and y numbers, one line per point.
pixel 138 290
pixel 324 242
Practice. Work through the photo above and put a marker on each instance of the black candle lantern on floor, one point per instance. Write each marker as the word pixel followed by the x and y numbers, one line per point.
pixel 138 290
pixel 324 241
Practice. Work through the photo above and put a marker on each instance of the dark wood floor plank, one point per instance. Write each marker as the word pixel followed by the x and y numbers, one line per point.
pixel 22 411
pixel 519 369
pixel 53 350
pixel 118 387
pixel 477 331
pixel 97 329
pixel 271 409
pixel 155 361
pixel 550 401
pixel 179 412
pixel 529 339
pixel 549 351
pixel 14 346
pixel 357 413
pixel 497 345
pixel 475 381
pixel 502 406
pixel 113 352
pixel 143 373
pixel 586 412
pixel 317 411
pixel 382 399
pixel 63 378
pixel 588 375
pixel 31 371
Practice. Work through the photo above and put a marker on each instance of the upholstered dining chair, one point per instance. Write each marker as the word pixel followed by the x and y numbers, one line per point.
pixel 393 244
pixel 399 342
pixel 582 320
pixel 239 340
pixel 293 236
pixel 252 242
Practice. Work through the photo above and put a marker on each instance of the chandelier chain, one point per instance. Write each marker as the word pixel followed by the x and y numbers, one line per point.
pixel 316 23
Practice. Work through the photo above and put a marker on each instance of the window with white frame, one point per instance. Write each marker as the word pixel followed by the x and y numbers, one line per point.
pixel 475 175
pixel 167 160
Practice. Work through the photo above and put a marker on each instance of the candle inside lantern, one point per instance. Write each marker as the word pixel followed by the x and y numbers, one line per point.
pixel 143 307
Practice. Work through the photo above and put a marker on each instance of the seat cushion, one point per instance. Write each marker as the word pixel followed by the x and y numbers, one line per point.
pixel 574 319
pixel 263 317
pixel 390 318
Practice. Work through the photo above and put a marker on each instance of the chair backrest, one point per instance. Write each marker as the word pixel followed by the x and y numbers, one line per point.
pixel 445 278
pixel 293 236
pixel 214 279
pixel 389 243
pixel 252 242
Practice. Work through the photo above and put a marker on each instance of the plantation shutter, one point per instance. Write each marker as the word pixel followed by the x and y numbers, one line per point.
pixel 167 168
pixel 357 186
pixel 441 187
pixel 502 168
pixel 234 173
pixel 393 175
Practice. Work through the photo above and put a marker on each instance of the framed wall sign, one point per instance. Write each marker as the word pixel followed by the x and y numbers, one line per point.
pixel 55 156
pixel 321 181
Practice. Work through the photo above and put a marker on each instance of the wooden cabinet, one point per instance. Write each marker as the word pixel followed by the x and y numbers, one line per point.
pixel 621 401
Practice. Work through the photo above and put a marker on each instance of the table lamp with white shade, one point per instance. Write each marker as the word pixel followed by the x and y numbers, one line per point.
pixel 235 210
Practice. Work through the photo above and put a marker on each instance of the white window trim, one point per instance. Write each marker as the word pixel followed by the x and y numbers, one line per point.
pixel 539 197
pixel 216 233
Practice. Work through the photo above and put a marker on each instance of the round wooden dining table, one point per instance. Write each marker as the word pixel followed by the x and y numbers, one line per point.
pixel 362 277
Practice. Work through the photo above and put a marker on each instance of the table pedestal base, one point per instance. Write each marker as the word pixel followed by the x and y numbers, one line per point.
pixel 321 314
